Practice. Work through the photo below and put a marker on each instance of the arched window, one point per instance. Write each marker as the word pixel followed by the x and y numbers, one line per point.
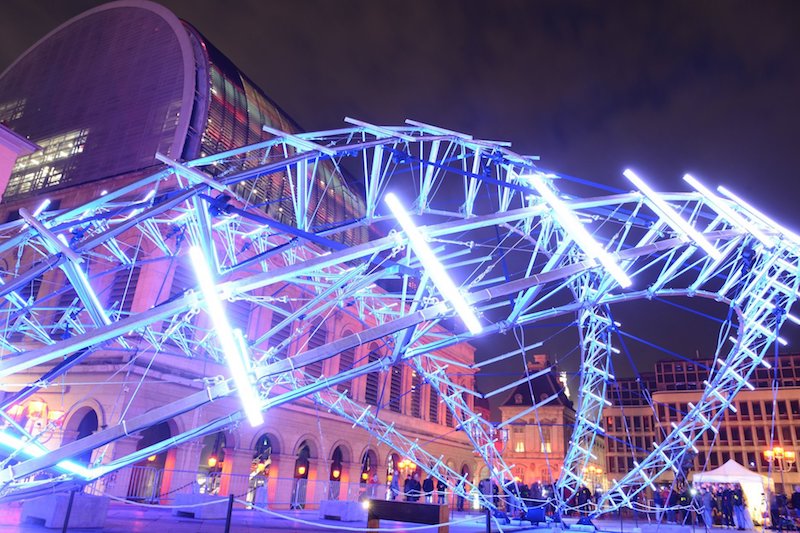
pixel 279 313
pixel 318 337
pixel 416 394
pixel 346 361
pixel 373 378
pixel 433 405
pixel 396 388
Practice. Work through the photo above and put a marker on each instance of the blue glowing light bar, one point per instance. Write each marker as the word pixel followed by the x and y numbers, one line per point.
pixel 717 203
pixel 30 449
pixel 432 265
pixel 234 355
pixel 675 220
pixel 578 232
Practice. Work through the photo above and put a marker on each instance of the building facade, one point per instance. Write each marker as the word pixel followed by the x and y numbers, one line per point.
pixel 537 439
pixel 102 95
pixel 765 418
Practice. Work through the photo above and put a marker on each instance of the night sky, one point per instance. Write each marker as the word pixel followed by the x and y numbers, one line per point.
pixel 711 88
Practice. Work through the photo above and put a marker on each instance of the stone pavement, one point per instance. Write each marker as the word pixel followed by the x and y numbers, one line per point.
pixel 131 518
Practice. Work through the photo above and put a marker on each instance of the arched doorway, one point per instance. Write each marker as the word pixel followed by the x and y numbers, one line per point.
pixel 369 475
pixel 82 424
pixel 259 471
pixel 335 475
pixel 302 464
pixel 147 475
pixel 392 476
pixel 462 494
pixel 212 457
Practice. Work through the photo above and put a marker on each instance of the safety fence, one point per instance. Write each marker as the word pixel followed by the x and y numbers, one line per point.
pixel 145 484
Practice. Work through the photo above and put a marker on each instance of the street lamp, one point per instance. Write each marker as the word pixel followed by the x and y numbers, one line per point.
pixel 782 459
pixel 594 474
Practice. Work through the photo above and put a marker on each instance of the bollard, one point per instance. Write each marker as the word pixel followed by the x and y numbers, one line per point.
pixel 228 516
pixel 69 511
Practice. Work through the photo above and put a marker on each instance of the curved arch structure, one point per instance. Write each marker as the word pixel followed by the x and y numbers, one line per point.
pixel 572 255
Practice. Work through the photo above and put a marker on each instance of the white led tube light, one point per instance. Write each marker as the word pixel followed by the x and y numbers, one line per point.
pixel 755 213
pixel 227 339
pixel 722 208
pixel 676 221
pixel 570 222
pixel 432 265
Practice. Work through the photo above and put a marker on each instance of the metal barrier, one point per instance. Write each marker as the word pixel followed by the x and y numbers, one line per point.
pixel 146 484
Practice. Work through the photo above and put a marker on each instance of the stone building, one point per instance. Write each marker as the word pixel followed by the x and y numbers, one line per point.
pixel 101 95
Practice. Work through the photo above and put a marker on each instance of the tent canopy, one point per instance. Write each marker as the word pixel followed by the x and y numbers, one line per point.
pixel 730 472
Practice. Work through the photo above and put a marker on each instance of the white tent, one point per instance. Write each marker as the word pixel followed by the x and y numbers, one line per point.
pixel 753 485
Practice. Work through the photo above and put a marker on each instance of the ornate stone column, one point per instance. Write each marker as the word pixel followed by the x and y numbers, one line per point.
pixel 236 472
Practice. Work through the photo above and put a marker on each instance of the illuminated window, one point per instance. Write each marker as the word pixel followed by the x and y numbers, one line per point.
pixel 545 445
pixel 519 446
pixel 12 110
pixel 46 167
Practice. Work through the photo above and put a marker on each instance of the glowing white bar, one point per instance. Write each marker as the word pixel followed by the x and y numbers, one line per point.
pixel 755 213
pixel 578 232
pixel 713 390
pixel 671 215
pixel 432 265
pixel 705 420
pixel 36 450
pixel 749 352
pixel 718 204
pixel 646 478
pixel 251 403
pixel 736 375
pixel 88 287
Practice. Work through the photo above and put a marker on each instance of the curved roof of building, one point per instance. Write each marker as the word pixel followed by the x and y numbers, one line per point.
pixel 93 93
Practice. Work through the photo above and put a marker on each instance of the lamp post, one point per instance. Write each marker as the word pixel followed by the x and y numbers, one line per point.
pixel 782 459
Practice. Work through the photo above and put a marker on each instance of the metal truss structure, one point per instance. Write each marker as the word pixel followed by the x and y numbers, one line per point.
pixel 522 249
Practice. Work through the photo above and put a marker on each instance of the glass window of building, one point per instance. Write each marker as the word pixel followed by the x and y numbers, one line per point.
pixel 433 405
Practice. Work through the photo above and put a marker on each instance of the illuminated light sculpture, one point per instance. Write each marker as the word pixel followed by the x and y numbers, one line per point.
pixel 758 215
pixel 671 216
pixel 723 209
pixel 577 231
pixel 234 354
pixel 759 284
pixel 432 265
pixel 29 449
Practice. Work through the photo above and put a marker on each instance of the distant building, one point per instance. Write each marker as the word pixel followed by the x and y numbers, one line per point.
pixel 538 439
pixel 763 417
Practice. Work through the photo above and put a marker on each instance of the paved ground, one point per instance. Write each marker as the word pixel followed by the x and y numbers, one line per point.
pixel 130 518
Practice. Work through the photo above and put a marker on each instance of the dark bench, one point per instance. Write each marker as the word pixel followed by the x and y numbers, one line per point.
pixel 417 513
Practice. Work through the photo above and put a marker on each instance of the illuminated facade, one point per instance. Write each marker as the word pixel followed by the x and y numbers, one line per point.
pixel 537 439
pixel 133 82
pixel 632 425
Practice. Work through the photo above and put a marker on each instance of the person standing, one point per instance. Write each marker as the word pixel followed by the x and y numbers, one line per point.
pixel 427 489
pixel 407 486
pixel 460 496
pixel 394 486
pixel 796 501
pixel 658 503
pixel 739 509
pixel 441 489
pixel 727 506
pixel 708 508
